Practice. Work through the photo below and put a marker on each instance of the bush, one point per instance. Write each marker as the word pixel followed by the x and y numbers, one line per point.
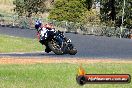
pixel 68 10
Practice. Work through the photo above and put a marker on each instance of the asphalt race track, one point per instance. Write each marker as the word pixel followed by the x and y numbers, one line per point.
pixel 87 45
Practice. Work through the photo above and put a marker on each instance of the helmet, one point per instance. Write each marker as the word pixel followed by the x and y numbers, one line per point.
pixel 38 24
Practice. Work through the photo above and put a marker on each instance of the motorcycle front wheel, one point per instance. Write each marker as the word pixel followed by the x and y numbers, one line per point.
pixel 55 47
pixel 72 50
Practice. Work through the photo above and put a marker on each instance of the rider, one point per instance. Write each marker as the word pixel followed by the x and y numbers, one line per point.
pixel 44 32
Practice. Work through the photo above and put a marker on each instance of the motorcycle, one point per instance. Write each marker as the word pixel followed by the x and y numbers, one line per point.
pixel 59 44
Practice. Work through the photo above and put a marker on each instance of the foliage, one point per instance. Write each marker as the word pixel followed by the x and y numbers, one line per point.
pixel 107 10
pixel 128 14
pixel 6 2
pixel 90 17
pixel 69 10
pixel 28 7
pixel 88 4
pixel 113 12
pixel 127 21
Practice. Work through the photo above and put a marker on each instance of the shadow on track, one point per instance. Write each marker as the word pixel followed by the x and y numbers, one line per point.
pixel 36 54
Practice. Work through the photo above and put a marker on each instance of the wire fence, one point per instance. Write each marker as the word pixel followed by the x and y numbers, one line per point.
pixel 99 30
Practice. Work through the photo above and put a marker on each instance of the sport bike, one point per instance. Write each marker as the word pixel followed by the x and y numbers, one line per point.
pixel 59 44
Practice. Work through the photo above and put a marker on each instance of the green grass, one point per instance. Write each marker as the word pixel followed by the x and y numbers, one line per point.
pixel 57 75
pixel 16 44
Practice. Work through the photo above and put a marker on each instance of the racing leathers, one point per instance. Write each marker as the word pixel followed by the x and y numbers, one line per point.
pixel 44 34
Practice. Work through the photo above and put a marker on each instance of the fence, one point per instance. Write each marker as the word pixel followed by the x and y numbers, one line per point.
pixel 99 30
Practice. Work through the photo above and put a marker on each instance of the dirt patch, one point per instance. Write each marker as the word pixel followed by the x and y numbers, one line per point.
pixel 11 60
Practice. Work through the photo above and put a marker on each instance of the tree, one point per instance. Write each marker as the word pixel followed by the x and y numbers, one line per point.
pixel 88 4
pixel 90 17
pixel 68 10
pixel 108 10
pixel 127 19
pixel 128 14
pixel 28 7
pixel 111 10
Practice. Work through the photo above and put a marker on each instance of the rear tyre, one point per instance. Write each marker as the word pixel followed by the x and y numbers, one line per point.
pixel 53 45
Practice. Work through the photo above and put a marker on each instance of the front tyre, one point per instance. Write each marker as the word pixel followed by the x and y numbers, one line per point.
pixel 73 51
pixel 54 46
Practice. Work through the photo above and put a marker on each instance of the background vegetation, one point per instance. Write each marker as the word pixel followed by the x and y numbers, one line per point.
pixel 73 10
pixel 6 6
pixel 68 10
pixel 111 12
pixel 28 7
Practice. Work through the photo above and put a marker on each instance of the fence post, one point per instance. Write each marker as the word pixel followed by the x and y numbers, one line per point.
pixel 121 32
pixel 13 24
pixel 65 27
pixel 92 30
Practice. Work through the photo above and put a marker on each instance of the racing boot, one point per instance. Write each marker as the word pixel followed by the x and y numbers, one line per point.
pixel 47 50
